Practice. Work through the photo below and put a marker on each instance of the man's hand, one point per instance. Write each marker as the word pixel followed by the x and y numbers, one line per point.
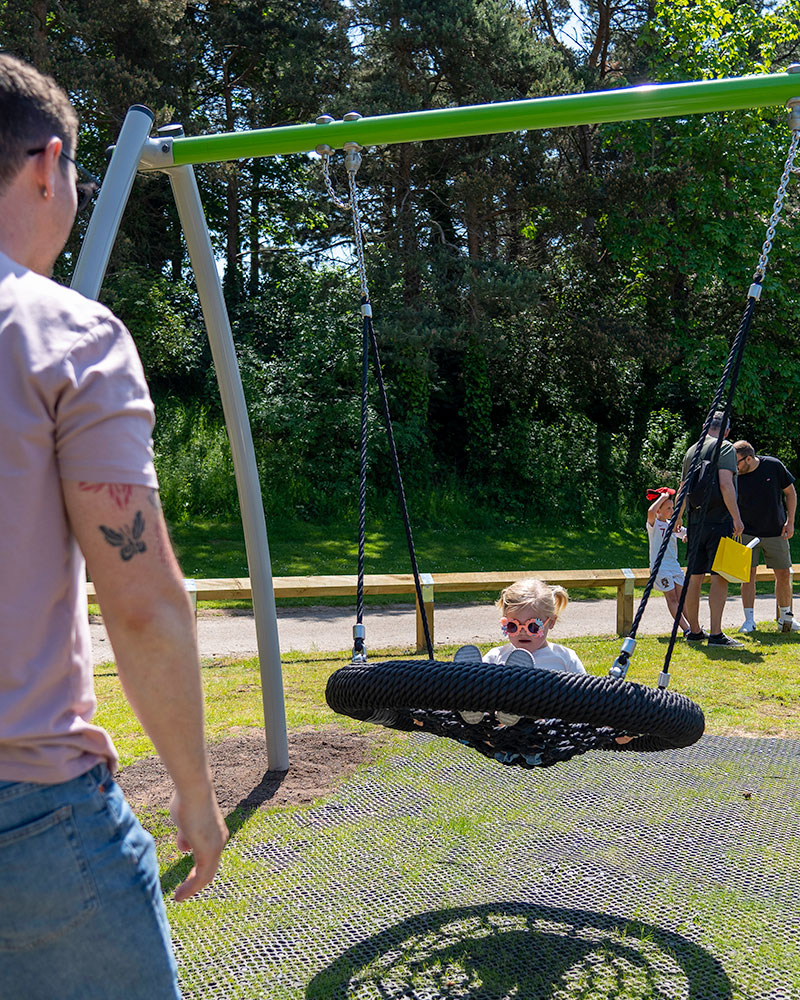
pixel 788 530
pixel 201 830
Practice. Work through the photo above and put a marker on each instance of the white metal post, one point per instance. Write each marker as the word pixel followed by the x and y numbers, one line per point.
pixel 204 266
pixel 114 193
pixel 134 146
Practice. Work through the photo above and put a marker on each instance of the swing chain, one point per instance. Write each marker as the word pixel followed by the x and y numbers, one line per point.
pixel 777 208
pixel 353 162
pixel 326 175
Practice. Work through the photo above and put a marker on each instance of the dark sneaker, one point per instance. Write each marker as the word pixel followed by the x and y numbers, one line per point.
pixel 700 636
pixel 724 640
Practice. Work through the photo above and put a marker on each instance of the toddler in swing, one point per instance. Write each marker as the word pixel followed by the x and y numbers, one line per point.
pixel 529 609
pixel 670 575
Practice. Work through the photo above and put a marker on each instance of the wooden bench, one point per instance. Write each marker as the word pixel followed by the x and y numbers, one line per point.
pixel 623 580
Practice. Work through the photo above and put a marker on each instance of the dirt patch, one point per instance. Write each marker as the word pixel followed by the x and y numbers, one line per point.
pixel 318 760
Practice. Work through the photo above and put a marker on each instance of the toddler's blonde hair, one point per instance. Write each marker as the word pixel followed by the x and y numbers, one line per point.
pixel 532 596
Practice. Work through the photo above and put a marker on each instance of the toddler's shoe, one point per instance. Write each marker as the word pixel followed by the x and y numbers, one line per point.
pixel 748 627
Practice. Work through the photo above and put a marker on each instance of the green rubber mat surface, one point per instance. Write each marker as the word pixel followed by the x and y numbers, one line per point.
pixel 437 875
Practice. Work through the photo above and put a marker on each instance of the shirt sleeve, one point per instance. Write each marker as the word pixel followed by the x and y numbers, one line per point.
pixel 104 414
pixel 727 457
pixel 785 478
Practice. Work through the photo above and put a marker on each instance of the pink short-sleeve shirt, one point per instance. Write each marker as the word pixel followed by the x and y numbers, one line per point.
pixel 74 405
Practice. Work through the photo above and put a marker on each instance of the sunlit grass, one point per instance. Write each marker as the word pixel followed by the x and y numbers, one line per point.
pixel 755 690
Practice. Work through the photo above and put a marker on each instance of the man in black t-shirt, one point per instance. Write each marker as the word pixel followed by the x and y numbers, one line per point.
pixel 767 501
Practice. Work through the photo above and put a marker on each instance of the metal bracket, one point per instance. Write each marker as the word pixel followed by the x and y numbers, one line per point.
pixel 619 668
pixel 324 149
pixel 793 104
pixel 157 151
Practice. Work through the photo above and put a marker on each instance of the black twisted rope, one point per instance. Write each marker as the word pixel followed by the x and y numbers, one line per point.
pixel 731 371
pixel 562 714
pixel 401 493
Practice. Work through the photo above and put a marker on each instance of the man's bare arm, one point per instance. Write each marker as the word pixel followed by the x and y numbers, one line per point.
pixel 728 491
pixel 147 613
pixel 790 499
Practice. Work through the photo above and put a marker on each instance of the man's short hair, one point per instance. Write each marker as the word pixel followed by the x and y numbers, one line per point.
pixel 33 108
pixel 744 449
pixel 718 421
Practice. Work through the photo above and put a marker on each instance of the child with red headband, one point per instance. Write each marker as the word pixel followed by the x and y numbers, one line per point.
pixel 670 575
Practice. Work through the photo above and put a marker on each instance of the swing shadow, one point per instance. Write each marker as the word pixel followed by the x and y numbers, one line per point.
pixel 518 949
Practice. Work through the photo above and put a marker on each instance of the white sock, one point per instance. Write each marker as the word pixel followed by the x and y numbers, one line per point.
pixel 750 614
pixel 786 613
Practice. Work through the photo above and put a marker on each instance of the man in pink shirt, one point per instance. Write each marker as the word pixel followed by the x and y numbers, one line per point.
pixel 81 913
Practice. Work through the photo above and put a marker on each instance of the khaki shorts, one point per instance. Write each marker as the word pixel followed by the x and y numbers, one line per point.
pixel 777 554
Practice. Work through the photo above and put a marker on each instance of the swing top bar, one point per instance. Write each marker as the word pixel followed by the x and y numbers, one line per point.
pixel 624 104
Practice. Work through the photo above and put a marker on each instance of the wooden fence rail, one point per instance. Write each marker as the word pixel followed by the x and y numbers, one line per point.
pixel 624 580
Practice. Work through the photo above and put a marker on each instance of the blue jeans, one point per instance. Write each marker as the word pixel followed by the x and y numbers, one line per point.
pixel 81 913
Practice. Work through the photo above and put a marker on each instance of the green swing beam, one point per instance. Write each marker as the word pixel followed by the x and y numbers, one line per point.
pixel 624 104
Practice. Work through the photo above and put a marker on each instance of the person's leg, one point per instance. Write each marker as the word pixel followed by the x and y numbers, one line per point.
pixel 749 588
pixel 783 588
pixel 779 560
pixel 691 607
pixel 81 914
pixel 673 598
pixel 717 595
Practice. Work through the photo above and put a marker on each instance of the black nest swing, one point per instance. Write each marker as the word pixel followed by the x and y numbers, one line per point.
pixel 560 715
pixel 511 713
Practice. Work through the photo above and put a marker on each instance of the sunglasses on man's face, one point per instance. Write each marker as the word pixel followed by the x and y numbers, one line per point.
pixel 511 626
pixel 87 188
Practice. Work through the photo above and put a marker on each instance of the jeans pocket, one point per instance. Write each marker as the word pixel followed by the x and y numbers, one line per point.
pixel 45 883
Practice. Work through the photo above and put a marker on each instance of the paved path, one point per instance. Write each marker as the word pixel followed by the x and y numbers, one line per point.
pixel 233 633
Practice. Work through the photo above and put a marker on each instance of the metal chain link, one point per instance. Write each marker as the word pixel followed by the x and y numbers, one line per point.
pixel 358 235
pixel 326 167
pixel 788 170
pixel 354 159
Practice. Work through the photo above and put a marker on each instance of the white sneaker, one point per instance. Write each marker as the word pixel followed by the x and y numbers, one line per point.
pixel 788 624
pixel 748 627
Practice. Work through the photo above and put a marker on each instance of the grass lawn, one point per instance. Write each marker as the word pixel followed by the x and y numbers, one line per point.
pixel 210 549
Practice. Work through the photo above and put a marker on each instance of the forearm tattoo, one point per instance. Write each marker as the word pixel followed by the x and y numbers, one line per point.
pixel 120 493
pixel 128 539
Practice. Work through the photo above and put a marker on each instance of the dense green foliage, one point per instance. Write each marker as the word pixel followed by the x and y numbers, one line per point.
pixel 554 308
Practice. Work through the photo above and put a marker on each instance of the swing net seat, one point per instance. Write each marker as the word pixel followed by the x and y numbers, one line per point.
pixel 561 715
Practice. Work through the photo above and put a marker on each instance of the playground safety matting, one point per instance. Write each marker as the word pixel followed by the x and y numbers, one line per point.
pixel 434 874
